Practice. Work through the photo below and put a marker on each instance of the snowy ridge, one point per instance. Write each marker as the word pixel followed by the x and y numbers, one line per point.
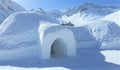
pixel 114 17
pixel 91 8
pixel 80 19
pixel 86 12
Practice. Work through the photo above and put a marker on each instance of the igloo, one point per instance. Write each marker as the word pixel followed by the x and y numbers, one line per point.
pixel 31 29
pixel 56 41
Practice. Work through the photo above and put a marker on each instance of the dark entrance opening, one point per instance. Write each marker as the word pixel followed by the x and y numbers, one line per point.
pixel 58 48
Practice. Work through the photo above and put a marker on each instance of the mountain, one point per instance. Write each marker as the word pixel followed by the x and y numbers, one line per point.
pixel 91 8
pixel 114 17
pixel 84 13
pixel 88 12
pixel 88 8
pixel 8 7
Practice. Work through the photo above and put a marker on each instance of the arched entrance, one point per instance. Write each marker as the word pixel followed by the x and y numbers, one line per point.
pixel 56 42
pixel 58 48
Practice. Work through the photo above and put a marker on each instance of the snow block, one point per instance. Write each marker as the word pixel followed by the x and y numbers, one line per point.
pixel 56 41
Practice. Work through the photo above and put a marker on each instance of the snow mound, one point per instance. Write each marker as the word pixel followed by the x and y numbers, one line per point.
pixel 104 30
pixel 24 32
pixel 7 7
pixel 100 33
pixel 114 17
pixel 19 35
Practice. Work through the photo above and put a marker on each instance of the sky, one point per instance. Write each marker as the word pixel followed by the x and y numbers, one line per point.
pixel 61 4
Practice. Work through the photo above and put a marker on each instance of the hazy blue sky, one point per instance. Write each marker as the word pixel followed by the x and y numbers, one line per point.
pixel 61 4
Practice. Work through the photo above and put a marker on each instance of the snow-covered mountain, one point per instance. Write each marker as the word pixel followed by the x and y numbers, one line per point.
pixel 87 8
pixel 91 8
pixel 86 13
pixel 114 17
pixel 7 7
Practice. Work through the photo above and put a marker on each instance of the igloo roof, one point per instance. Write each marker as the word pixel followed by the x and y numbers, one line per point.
pixel 23 21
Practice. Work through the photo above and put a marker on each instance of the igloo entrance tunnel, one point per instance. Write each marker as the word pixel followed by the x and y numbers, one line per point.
pixel 58 48
pixel 56 41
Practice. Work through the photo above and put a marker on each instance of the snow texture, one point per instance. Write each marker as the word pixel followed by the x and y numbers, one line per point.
pixel 112 56
pixel 38 36
pixel 101 32
pixel 114 17
pixel 57 40
pixel 26 38
pixel 8 7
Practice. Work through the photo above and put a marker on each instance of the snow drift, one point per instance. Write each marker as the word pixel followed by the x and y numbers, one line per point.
pixel 100 33
pixel 24 31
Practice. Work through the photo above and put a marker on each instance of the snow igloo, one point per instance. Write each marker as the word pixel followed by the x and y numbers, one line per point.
pixel 56 41
pixel 36 30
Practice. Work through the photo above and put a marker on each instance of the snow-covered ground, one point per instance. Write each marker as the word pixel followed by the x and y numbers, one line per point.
pixel 19 68
pixel 86 59
pixel 112 56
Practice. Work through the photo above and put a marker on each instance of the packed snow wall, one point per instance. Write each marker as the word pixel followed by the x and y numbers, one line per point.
pixel 83 38
pixel 21 37
pixel 56 41
pixel 100 33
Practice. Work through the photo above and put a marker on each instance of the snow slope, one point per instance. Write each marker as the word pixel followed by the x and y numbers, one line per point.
pixel 91 8
pixel 84 13
pixel 99 33
pixel 114 17
pixel 80 19
pixel 7 7
pixel 88 12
